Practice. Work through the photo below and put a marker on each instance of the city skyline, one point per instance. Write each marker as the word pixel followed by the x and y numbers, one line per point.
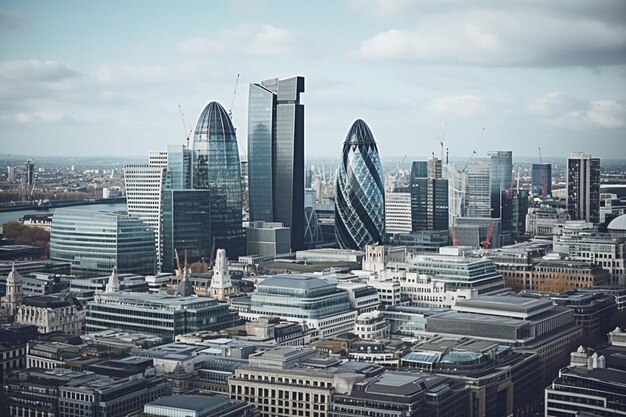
pixel 110 83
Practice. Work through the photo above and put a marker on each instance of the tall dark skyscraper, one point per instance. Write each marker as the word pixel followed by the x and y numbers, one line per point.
pixel 583 187
pixel 501 191
pixel 216 167
pixel 276 154
pixel 539 172
pixel 359 191
pixel 429 196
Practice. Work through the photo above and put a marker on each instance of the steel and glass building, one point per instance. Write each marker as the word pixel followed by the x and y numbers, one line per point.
pixel 477 203
pixel 276 154
pixel 216 168
pixel 583 187
pixel 501 182
pixel 186 226
pixel 429 196
pixel 159 314
pixel 359 191
pixel 541 172
pixel 96 242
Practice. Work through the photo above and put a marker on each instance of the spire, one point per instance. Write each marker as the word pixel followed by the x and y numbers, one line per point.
pixel 14 276
pixel 221 277
pixel 113 285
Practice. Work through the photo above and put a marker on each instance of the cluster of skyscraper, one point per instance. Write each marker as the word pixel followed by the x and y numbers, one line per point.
pixel 192 198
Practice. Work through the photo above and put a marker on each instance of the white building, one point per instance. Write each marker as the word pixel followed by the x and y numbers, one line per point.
pixel 389 291
pixel 144 192
pixel 372 325
pixel 439 280
pixel 14 293
pixel 51 314
pixel 398 213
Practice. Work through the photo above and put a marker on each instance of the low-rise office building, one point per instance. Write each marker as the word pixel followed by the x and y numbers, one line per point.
pixel 198 406
pixel 592 311
pixel 306 299
pixel 530 324
pixel 593 383
pixel 557 275
pixel 502 381
pixel 396 394
pixel 160 314
pixel 372 326
pixel 13 346
pixel 284 382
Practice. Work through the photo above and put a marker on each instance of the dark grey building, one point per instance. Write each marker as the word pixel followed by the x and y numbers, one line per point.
pixel 359 191
pixel 216 168
pixel 429 196
pixel 501 191
pixel 276 154
pixel 583 187
pixel 186 226
pixel 541 173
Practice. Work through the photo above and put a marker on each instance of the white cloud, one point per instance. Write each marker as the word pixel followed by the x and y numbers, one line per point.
pixel 271 40
pixel 561 110
pixel 255 40
pixel 35 70
pixel 122 74
pixel 493 37
pixel 607 113
pixel 29 118
pixel 459 107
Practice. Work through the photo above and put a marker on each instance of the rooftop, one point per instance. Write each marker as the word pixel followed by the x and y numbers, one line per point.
pixel 192 402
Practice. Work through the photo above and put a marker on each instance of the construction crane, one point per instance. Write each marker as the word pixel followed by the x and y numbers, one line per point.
pixel 544 186
pixel 232 102
pixel 455 239
pixel 181 270
pixel 443 138
pixel 488 236
pixel 187 132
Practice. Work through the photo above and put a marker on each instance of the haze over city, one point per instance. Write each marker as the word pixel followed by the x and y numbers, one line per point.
pixel 87 78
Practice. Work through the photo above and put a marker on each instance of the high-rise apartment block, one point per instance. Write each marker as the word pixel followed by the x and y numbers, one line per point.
pixel 276 154
pixel 583 187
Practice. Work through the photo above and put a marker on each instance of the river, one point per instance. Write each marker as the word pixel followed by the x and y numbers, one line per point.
pixel 9 216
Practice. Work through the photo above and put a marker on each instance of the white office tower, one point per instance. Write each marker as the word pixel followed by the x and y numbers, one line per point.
pixel 456 191
pixel 113 285
pixel 220 282
pixel 144 192
pixel 398 213
pixel 478 188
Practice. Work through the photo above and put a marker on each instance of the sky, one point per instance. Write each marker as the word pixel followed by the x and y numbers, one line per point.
pixel 106 77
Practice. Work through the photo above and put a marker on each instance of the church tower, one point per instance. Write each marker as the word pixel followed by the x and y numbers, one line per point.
pixel 114 284
pixel 14 292
pixel 220 283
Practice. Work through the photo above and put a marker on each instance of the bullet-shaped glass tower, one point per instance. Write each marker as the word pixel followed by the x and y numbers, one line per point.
pixel 359 191
pixel 216 167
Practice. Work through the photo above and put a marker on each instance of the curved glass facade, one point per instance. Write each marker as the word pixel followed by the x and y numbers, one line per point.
pixel 359 191
pixel 95 242
pixel 216 167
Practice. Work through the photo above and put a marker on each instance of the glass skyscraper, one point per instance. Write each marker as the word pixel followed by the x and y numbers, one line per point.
pixel 501 192
pixel 95 242
pixel 429 196
pixel 359 191
pixel 276 154
pixel 216 168
pixel 539 171
pixel 186 226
